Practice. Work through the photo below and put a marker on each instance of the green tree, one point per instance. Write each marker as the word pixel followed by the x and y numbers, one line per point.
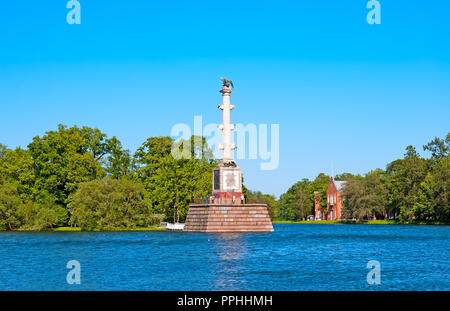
pixel 50 212
pixel 154 153
pixel 64 158
pixel 320 184
pixel 347 176
pixel 433 198
pixel 3 149
pixel 182 178
pixel 365 198
pixel 16 168
pixel 411 152
pixel 440 179
pixel 298 202
pixel 27 213
pixel 46 218
pixel 109 204
pixel 439 148
pixel 404 177
pixel 94 142
pixel 9 204
pixel 171 180
pixel 119 161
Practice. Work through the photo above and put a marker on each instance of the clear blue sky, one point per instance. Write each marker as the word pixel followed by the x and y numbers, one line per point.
pixel 346 94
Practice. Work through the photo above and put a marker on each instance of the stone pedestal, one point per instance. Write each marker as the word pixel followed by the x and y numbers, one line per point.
pixel 227 184
pixel 221 218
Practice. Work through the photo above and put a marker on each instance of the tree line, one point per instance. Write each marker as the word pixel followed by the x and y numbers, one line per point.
pixel 79 177
pixel 408 190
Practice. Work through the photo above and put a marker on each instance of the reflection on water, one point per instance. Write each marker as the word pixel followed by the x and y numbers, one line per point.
pixel 229 252
pixel 230 246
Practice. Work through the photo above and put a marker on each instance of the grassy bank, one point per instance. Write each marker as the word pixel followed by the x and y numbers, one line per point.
pixel 76 229
pixel 346 222
pixel 307 222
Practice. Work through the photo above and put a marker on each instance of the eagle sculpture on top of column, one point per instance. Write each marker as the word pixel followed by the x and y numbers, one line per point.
pixel 227 82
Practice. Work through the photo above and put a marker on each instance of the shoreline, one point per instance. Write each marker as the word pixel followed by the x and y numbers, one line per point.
pixel 301 222
pixel 78 229
pixel 370 222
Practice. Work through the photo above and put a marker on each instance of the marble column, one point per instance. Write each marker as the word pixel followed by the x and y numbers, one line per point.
pixel 226 126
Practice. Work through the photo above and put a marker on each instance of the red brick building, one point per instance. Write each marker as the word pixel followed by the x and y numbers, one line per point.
pixel 334 202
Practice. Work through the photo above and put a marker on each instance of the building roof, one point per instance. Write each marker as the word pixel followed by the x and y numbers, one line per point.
pixel 339 184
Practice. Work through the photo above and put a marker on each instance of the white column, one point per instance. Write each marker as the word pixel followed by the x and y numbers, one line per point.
pixel 226 125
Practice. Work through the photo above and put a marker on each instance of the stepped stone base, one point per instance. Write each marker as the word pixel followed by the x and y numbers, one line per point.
pixel 218 218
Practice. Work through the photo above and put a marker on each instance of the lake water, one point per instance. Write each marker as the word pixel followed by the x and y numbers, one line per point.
pixel 294 257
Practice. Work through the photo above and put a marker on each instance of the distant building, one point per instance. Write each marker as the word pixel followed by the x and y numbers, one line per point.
pixel 334 202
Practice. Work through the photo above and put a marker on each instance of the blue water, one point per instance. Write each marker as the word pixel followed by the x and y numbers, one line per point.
pixel 294 257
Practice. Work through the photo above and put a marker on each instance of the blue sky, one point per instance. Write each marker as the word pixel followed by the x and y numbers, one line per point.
pixel 349 97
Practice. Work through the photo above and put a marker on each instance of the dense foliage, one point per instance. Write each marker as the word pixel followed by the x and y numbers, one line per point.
pixel 298 202
pixel 409 189
pixel 80 177
pixel 109 204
